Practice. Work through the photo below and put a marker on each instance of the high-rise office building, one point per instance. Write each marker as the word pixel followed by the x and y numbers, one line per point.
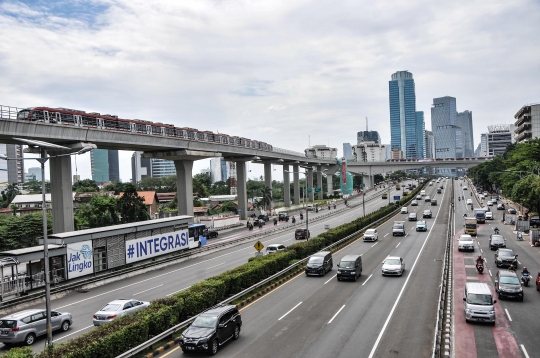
pixel 403 121
pixel 369 152
pixel 368 136
pixel 420 128
pixel 347 151
pixel 482 149
pixel 36 172
pixel 447 135
pixel 162 168
pixel 140 167
pixel 499 136
pixel 527 122
pixel 218 170
pixel 464 121
pixel 12 171
pixel 104 165
pixel 429 149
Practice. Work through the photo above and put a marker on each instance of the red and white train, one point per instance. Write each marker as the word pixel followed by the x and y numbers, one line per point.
pixel 72 117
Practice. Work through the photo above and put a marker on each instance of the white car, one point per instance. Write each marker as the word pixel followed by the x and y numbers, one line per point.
pixel 393 265
pixel 404 210
pixel 270 249
pixel 465 188
pixel 414 203
pixel 490 203
pixel 489 215
pixel 469 201
pixel 118 308
pixel 371 235
pixel 465 242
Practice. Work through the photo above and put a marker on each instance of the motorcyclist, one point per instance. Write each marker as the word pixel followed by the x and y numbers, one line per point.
pixel 479 260
pixel 301 216
pixel 525 271
pixel 459 198
pixel 463 197
pixel 464 215
pixel 293 220
pixel 275 221
pixel 496 229
pixel 520 237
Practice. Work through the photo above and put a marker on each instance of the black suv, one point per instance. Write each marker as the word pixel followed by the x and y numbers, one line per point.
pixel 212 329
pixel 263 217
pixel 507 284
pixel 283 217
pixel 505 257
pixel 301 234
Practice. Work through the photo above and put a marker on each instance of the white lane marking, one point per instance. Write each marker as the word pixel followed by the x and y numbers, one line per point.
pixel 331 319
pixel 398 244
pixel 524 351
pixel 374 244
pixel 367 280
pixel 147 290
pixel 279 319
pixel 172 293
pixel 385 235
pixel 330 279
pixel 490 272
pixel 383 329
pixel 508 314
pixel 72 333
pixel 211 267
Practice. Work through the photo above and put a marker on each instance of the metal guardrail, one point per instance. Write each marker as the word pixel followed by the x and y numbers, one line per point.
pixel 186 323
pixel 443 327
pixel 8 112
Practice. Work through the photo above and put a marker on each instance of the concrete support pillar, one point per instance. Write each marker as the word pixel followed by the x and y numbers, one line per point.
pixel 286 186
pixel 329 185
pixel 241 189
pixel 311 195
pixel 268 179
pixel 61 194
pixel 319 182
pixel 296 185
pixel 184 186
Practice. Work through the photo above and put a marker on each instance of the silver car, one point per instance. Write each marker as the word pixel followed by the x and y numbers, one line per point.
pixel 25 326
pixel 117 308
pixel 393 265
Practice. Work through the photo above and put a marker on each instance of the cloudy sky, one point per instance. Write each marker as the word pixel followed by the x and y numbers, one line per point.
pixel 290 73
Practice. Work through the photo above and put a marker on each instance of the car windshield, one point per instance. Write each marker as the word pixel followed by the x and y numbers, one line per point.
pixel 498 239
pixel 508 253
pixel 270 248
pixel 478 299
pixel 205 322
pixel 392 262
pixel 465 239
pixel 509 280
pixel 111 307
pixel 315 260
pixel 346 264
pixel 8 323
pixel 427 212
pixel 370 231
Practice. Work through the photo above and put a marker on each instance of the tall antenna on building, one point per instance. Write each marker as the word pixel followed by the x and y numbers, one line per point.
pixel 366 124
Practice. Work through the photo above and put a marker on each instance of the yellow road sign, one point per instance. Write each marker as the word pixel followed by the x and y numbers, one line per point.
pixel 258 246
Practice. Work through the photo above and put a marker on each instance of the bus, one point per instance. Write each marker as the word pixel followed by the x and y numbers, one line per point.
pixel 198 233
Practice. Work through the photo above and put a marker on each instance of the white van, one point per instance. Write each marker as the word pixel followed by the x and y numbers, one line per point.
pixel 422 192
pixel 479 303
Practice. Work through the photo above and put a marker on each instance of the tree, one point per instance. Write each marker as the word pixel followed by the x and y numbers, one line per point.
pixel 199 188
pixel 8 194
pixel 99 212
pixel 229 206
pixel 131 206
pixel 267 197
pixel 19 232
pixel 219 188
pixel 204 179
pixel 85 186
pixel 34 187
pixel 115 186
pixel 378 178
pixel 158 184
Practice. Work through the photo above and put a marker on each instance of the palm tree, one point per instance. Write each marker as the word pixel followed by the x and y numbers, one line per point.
pixel 267 198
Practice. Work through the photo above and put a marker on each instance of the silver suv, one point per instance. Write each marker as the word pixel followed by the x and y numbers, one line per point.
pixel 26 325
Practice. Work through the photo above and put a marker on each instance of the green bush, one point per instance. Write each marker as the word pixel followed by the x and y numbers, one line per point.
pixel 19 352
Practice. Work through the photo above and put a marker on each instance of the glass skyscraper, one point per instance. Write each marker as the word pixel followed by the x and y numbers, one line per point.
pixel 420 128
pixel 464 121
pixel 368 136
pixel 446 133
pixel 403 123
pixel 105 166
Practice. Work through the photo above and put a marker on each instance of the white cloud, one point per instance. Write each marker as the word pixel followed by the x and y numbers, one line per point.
pixel 276 71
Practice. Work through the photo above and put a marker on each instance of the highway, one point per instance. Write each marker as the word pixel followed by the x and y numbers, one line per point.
pixel 514 332
pixel 177 277
pixel 375 316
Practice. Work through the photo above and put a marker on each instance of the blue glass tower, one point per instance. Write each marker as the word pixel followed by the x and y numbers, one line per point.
pixel 105 166
pixel 420 127
pixel 403 124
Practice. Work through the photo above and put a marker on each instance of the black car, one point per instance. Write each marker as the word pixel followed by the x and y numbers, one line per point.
pixel 427 214
pixel 256 222
pixel 512 211
pixel 497 241
pixel 212 234
pixel 534 221
pixel 301 234
pixel 212 329
pixel 263 217
pixel 505 257
pixel 283 217
pixel 508 285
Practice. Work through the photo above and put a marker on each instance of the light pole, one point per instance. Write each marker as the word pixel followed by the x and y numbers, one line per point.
pixel 42 146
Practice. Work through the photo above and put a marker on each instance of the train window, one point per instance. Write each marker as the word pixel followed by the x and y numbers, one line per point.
pixel 23 115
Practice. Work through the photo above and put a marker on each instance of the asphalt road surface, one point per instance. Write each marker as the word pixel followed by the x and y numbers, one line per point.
pixel 376 316
pixel 177 277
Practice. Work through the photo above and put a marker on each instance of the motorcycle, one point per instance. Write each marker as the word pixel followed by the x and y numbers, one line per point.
pixel 525 278
pixel 480 267
pixel 496 231
pixel 293 220
pixel 520 236
pixel 459 198
pixel 301 217
pixel 275 221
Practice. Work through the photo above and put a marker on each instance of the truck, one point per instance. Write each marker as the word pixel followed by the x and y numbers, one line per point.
pixel 399 228
pixel 480 215
pixel 385 196
pixel 470 226
pixel 398 187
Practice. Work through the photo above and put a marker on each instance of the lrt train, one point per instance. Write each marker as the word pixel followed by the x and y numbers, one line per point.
pixel 72 117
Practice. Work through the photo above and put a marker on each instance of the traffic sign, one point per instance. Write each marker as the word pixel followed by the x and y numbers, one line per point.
pixel 258 246
pixel 318 190
pixel 309 190
pixel 396 197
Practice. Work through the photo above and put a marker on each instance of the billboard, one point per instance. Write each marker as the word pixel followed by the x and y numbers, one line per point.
pixel 151 246
pixel 79 259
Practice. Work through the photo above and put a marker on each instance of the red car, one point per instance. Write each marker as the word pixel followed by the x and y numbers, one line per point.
pixel 538 281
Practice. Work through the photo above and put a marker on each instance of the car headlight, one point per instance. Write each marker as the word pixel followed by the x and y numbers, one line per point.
pixel 353 273
pixel 468 310
pixel 338 271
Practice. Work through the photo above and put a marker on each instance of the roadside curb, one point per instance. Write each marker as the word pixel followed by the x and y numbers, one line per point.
pixel 163 348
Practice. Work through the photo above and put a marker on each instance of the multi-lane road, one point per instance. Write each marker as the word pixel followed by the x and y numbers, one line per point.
pixel 175 278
